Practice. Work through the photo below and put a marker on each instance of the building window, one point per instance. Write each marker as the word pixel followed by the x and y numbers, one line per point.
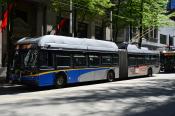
pixel 82 30
pixel 98 33
pixel 170 40
pixel 162 39
pixel 21 14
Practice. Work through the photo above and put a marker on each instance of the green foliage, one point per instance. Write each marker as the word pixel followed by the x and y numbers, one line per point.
pixel 124 11
pixel 88 8
pixel 153 12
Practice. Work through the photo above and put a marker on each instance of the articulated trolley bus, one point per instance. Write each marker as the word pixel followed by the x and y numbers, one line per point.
pixel 58 60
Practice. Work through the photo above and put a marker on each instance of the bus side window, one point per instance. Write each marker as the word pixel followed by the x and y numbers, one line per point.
pixel 94 60
pixel 153 59
pixel 140 59
pixel 150 59
pixel 43 59
pixel 147 60
pixel 79 60
pixel 106 59
pixel 132 60
pixel 115 59
pixel 46 59
pixel 63 60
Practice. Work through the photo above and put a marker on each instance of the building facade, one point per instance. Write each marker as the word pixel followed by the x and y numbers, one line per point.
pixel 34 18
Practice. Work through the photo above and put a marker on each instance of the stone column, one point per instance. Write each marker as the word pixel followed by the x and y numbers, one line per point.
pixel 107 33
pixel 91 30
pixel 167 40
pixel 173 41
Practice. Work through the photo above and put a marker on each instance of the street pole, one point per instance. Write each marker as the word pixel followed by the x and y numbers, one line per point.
pixel 141 28
pixel 111 29
pixel 1 34
pixel 130 24
pixel 71 31
pixel 117 19
pixel 8 43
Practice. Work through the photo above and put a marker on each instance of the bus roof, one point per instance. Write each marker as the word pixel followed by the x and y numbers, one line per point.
pixel 64 42
pixel 135 49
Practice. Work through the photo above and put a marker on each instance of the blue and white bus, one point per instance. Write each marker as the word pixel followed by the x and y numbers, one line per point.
pixel 58 60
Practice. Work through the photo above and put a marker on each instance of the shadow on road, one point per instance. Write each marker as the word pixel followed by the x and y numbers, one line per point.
pixel 154 97
pixel 8 89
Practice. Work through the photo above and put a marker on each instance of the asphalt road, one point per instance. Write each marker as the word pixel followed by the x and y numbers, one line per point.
pixel 148 96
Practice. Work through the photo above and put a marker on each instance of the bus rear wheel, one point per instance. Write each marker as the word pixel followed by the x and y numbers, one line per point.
pixel 111 76
pixel 150 73
pixel 60 81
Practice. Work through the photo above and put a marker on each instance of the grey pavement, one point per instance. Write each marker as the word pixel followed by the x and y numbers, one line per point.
pixel 149 96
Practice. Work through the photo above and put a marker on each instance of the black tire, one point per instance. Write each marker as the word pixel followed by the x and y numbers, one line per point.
pixel 60 81
pixel 150 73
pixel 111 76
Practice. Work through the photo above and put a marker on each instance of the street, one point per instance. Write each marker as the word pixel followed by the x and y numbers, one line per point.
pixel 148 96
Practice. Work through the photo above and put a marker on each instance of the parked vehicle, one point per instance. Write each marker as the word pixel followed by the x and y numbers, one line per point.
pixel 167 59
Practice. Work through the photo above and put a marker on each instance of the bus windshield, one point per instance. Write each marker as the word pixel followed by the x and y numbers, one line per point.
pixel 25 58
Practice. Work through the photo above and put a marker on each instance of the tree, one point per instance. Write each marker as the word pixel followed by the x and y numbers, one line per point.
pixel 139 13
pixel 85 8
pixel 130 10
pixel 136 13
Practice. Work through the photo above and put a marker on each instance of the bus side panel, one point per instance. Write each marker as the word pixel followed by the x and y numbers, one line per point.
pixel 137 71
pixel 100 74
pixel 132 71
pixel 97 74
pixel 29 80
pixel 46 79
pixel 84 75
pixel 74 76
pixel 116 70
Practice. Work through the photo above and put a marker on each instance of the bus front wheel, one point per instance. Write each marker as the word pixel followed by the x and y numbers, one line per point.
pixel 111 76
pixel 60 81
